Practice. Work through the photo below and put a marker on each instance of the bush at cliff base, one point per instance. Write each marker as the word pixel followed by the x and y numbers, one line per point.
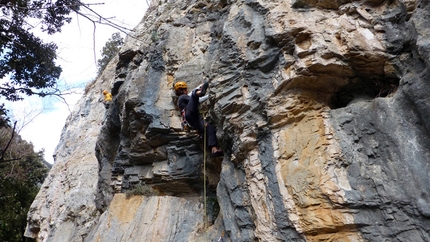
pixel 22 172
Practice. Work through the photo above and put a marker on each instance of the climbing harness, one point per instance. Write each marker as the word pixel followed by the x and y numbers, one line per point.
pixel 184 123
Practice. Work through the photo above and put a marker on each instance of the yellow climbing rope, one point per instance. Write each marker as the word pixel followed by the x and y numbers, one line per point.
pixel 204 177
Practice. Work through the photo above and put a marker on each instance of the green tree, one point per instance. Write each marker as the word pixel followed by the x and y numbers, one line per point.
pixel 22 171
pixel 111 48
pixel 27 64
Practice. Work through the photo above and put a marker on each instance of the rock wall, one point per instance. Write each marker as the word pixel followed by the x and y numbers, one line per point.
pixel 320 107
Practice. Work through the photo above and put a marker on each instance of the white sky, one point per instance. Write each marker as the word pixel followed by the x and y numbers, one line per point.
pixel 76 57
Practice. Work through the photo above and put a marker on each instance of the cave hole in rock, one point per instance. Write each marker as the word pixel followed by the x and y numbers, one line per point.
pixel 363 89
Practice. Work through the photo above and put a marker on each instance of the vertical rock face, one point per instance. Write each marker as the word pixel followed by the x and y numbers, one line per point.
pixel 320 107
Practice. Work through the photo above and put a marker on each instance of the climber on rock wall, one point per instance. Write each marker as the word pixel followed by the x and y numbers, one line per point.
pixel 107 98
pixel 189 106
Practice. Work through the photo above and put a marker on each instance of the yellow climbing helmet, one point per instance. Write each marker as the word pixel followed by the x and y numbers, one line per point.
pixel 179 85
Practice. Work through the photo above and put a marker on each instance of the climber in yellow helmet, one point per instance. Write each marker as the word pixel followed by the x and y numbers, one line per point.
pixel 107 98
pixel 189 105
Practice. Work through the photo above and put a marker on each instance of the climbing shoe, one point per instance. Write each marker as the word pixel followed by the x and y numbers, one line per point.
pixel 217 153
pixel 203 89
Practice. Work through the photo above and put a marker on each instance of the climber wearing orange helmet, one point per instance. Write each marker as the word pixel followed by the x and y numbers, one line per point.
pixel 189 105
pixel 108 98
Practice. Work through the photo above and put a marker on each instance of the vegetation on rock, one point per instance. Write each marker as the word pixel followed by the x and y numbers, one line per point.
pixel 110 49
pixel 141 189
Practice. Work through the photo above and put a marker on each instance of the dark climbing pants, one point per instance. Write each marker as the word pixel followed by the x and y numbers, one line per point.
pixel 196 121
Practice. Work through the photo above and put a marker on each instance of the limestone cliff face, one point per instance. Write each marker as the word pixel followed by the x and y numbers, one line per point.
pixel 321 108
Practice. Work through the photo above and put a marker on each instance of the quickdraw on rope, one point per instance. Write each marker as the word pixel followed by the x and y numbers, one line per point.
pixel 221 238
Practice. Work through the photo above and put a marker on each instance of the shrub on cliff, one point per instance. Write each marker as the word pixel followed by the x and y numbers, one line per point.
pixel 111 48
pixel 141 189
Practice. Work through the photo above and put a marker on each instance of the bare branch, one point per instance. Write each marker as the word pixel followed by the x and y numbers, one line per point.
pixel 32 117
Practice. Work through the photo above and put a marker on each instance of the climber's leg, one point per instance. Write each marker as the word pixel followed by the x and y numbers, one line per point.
pixel 212 141
pixel 193 103
pixel 192 113
pixel 211 135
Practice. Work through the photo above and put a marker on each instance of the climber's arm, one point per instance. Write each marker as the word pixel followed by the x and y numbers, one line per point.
pixel 201 99
pixel 204 98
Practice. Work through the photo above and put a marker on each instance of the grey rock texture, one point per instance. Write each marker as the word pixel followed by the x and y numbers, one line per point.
pixel 321 108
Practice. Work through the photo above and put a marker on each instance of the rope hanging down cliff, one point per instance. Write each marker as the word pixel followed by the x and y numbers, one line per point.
pixel 205 215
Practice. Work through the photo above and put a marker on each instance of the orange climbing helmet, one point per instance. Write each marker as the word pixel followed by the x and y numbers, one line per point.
pixel 180 85
pixel 105 92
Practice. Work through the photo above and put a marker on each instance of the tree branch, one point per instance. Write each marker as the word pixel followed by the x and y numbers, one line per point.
pixel 15 159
